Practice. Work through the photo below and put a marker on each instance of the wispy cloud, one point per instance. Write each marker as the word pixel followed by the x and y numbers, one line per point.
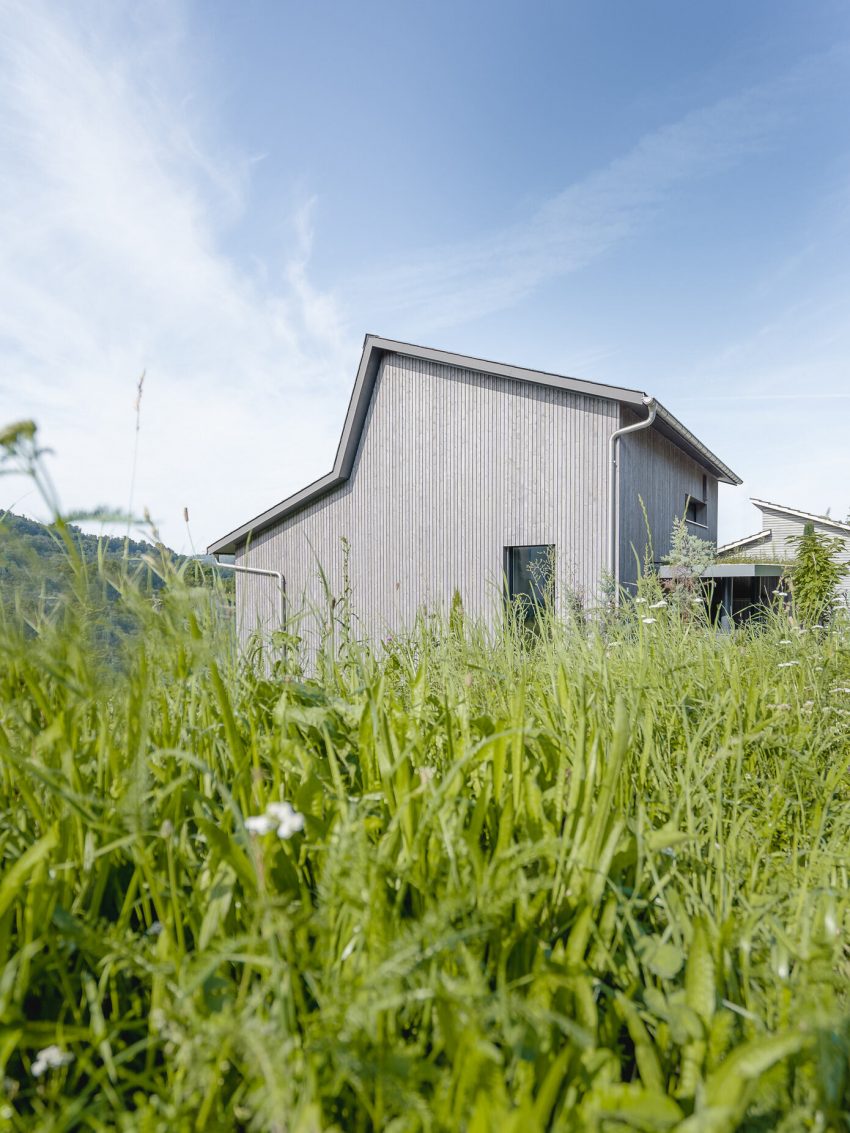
pixel 113 196
pixel 452 284
pixel 116 199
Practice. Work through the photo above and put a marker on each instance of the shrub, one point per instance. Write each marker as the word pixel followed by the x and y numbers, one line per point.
pixel 689 556
pixel 816 574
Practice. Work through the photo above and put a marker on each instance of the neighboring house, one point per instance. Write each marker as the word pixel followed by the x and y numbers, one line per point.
pixel 457 475
pixel 779 525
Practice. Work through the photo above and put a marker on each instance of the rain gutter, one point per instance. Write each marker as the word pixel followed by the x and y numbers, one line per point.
pixel 614 491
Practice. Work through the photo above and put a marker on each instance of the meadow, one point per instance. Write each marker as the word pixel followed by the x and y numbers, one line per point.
pixel 593 878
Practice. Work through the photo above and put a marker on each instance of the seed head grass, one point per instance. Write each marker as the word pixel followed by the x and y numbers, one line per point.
pixel 590 877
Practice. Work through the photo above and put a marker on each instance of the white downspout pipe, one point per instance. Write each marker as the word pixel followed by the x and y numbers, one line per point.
pixel 281 584
pixel 614 492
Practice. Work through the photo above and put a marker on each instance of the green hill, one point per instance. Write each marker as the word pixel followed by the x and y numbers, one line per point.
pixel 35 560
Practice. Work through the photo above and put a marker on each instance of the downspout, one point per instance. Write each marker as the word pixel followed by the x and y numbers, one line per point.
pixel 281 584
pixel 614 491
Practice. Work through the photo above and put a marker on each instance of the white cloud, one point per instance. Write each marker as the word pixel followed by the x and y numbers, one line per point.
pixel 450 285
pixel 115 201
pixel 112 202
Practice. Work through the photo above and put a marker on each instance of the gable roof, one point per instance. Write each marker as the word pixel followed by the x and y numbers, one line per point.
pixel 375 349
pixel 764 505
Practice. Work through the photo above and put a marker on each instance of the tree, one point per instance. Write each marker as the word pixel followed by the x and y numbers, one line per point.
pixel 815 574
pixel 689 556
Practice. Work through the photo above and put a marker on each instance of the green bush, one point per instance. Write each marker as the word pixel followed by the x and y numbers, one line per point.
pixel 815 574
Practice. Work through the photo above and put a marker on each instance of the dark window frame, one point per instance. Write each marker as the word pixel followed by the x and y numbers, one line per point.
pixel 696 510
pixel 528 592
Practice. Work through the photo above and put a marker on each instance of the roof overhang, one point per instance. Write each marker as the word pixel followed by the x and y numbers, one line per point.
pixel 376 348
pixel 734 570
pixel 670 427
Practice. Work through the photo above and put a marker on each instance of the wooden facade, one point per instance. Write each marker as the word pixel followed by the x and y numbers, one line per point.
pixel 450 462
pixel 658 478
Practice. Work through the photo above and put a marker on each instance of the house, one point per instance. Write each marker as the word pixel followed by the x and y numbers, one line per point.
pixel 455 475
pixel 753 566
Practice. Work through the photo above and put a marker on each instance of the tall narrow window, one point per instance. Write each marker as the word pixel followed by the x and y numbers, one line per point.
pixel 529 573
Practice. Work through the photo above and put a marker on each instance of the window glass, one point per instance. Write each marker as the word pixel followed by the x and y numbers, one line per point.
pixel 696 510
pixel 529 575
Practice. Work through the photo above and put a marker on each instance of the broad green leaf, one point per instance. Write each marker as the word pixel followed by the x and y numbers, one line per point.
pixel 16 876
pixel 663 958
pixel 633 1106
pixel 700 990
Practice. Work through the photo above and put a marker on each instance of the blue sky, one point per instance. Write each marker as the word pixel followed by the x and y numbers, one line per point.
pixel 229 196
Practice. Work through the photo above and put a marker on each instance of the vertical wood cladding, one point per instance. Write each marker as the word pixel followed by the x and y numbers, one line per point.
pixel 659 473
pixel 453 466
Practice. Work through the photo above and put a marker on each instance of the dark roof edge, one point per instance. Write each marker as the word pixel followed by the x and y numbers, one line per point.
pixel 765 505
pixel 682 436
pixel 501 370
pixel 374 349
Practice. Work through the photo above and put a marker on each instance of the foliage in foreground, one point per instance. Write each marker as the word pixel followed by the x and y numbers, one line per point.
pixel 591 879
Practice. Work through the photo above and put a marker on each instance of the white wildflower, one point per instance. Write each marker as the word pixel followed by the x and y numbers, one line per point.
pixel 51 1058
pixel 288 820
pixel 640 601
pixel 786 641
pixel 280 817
pixel 787 664
pixel 657 605
pixel 649 621
pixel 259 824
pixel 698 601
pixel 840 688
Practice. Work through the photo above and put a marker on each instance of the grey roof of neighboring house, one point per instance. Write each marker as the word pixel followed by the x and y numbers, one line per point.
pixel 747 541
pixel 764 505
pixel 375 348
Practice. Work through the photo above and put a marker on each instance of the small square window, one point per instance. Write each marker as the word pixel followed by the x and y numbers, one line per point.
pixel 696 511
pixel 529 575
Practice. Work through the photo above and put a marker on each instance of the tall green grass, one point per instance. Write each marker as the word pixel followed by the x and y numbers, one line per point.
pixel 593 878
